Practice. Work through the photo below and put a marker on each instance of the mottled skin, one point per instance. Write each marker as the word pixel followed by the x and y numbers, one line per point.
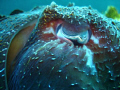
pixel 47 62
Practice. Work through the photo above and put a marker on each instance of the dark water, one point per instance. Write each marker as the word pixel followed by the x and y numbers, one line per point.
pixel 7 6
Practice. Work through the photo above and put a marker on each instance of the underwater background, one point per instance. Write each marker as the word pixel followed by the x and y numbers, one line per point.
pixel 7 6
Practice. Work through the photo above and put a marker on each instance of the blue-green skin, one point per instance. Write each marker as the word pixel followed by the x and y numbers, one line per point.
pixel 8 29
pixel 42 65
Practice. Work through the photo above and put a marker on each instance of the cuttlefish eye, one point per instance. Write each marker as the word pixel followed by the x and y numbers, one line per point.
pixel 78 35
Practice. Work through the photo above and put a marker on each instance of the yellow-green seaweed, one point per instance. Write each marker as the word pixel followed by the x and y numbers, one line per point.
pixel 112 12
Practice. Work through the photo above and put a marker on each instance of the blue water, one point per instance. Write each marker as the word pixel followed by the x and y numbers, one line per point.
pixel 7 6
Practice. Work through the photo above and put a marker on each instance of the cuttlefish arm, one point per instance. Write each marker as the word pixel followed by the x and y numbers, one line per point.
pixel 67 48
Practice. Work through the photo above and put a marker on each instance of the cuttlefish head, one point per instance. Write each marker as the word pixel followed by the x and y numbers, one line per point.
pixel 68 48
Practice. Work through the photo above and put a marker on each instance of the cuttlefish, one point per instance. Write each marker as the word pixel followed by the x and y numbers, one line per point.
pixel 58 47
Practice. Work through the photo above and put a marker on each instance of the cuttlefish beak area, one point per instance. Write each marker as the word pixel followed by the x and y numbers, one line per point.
pixel 73 34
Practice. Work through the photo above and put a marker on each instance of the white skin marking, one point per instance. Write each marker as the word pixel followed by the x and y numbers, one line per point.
pixel 95 40
pixel 49 30
pixel 89 56
pixel 2 70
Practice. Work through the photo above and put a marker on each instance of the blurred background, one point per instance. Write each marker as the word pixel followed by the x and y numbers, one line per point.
pixel 7 6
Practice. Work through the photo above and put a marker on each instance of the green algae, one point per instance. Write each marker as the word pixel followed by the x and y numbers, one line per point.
pixel 112 12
